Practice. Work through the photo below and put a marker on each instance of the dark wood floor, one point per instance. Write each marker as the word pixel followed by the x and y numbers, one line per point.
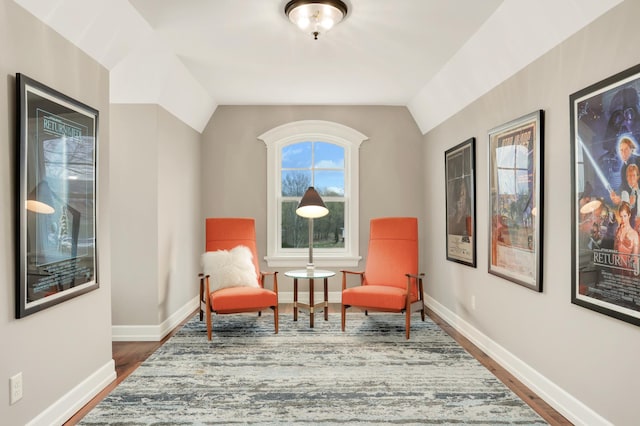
pixel 129 355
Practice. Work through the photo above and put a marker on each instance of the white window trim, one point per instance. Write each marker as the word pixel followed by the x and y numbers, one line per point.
pixel 303 131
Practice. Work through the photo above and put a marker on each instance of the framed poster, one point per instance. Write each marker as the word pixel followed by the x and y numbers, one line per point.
pixel 460 175
pixel 605 137
pixel 56 208
pixel 515 200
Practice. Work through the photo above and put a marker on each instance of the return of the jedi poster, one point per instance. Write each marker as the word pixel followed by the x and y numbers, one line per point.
pixel 605 138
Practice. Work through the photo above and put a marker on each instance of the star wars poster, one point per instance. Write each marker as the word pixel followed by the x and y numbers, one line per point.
pixel 57 205
pixel 459 164
pixel 605 137
pixel 515 200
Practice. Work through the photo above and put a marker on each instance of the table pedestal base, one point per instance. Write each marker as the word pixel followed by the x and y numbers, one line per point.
pixel 311 307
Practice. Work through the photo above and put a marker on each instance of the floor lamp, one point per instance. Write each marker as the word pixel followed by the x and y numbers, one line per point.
pixel 311 206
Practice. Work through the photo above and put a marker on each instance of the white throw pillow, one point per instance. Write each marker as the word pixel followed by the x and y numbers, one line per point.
pixel 229 268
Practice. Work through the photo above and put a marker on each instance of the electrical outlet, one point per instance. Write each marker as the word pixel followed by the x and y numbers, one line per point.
pixel 15 386
pixel 473 302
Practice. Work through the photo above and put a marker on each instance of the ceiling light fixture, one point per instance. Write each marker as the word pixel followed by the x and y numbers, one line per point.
pixel 315 16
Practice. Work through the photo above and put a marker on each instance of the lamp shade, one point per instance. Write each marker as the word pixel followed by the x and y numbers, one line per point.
pixel 39 207
pixel 311 205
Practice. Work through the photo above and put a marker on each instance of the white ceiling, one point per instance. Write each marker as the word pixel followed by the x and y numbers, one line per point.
pixel 434 56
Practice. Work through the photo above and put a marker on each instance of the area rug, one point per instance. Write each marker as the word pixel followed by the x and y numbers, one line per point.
pixel 369 374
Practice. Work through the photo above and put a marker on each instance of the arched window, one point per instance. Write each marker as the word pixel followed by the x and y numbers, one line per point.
pixel 315 153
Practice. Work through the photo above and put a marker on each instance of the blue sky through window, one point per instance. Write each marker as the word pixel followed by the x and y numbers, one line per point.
pixel 328 165
pixel 296 156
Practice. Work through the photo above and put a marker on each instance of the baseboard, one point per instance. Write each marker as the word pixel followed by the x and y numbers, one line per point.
pixel 153 333
pixel 574 410
pixel 65 407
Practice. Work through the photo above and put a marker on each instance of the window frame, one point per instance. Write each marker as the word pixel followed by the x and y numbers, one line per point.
pixel 314 131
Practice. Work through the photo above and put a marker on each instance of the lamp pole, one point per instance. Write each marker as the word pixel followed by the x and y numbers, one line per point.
pixel 311 206
pixel 310 266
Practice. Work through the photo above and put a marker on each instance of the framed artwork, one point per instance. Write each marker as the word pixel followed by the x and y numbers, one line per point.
pixel 605 169
pixel 56 206
pixel 515 200
pixel 460 175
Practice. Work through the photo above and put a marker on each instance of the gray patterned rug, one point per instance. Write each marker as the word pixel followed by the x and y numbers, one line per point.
pixel 367 375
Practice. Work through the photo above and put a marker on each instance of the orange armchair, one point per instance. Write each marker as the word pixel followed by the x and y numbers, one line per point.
pixel 227 234
pixel 390 281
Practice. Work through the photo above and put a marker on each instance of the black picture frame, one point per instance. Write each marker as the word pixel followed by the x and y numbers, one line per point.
pixel 56 181
pixel 460 199
pixel 516 195
pixel 605 241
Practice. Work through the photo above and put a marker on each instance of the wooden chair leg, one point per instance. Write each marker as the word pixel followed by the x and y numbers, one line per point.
pixel 208 322
pixel 201 297
pixel 344 315
pixel 408 322
pixel 421 288
pixel 208 305
pixel 275 318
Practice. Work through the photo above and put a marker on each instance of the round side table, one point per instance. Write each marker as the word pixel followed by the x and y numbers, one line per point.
pixel 310 275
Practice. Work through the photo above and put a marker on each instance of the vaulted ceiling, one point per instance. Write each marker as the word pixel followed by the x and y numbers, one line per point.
pixel 433 56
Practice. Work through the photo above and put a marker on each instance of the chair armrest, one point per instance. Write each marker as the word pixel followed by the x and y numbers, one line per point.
pixel 201 276
pixel 274 274
pixel 418 278
pixel 344 277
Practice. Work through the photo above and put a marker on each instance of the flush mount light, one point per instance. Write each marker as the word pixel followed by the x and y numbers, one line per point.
pixel 315 16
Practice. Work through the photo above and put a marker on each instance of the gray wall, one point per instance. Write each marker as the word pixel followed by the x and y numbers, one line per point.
pixel 134 221
pixel 61 347
pixel 156 223
pixel 234 164
pixel 591 356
